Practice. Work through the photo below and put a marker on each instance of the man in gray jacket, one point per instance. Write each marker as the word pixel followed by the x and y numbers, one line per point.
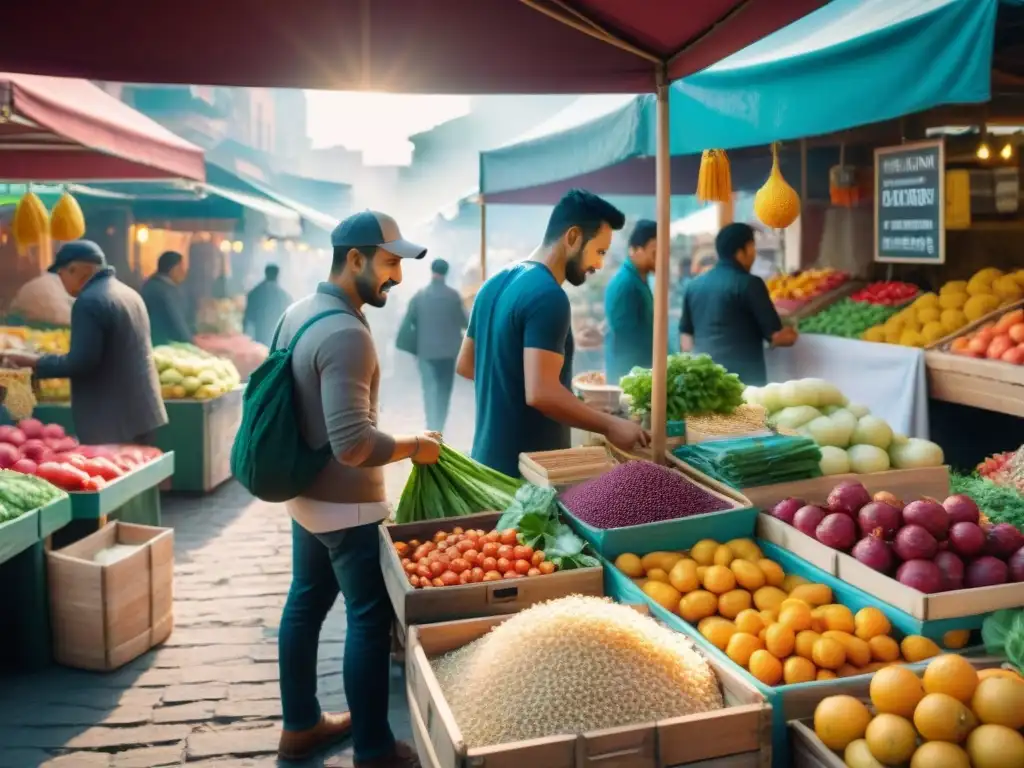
pixel 335 522
pixel 115 391
pixel 438 317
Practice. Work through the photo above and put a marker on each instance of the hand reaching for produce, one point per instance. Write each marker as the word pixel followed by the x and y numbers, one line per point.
pixel 21 359
pixel 626 435
pixel 428 448
pixel 785 338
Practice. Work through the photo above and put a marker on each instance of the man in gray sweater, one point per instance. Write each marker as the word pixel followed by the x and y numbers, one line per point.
pixel 335 522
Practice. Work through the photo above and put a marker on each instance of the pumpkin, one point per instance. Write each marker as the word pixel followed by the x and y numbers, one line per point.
pixel 776 204
pixel 714 180
pixel 31 221
pixel 66 221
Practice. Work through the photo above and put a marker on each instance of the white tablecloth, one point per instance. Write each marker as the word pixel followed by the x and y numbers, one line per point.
pixel 887 378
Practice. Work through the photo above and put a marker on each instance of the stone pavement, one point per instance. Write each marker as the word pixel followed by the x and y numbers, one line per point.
pixel 208 696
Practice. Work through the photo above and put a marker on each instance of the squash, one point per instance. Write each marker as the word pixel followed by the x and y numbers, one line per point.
pixel 66 221
pixel 776 204
pixel 31 221
pixel 714 180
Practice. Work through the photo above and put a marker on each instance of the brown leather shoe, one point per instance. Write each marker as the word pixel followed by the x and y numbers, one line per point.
pixel 404 756
pixel 299 745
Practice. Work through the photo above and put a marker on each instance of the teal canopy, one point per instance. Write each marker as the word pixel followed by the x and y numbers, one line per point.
pixel 851 63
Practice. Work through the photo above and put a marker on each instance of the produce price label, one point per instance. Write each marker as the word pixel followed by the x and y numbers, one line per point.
pixel 910 203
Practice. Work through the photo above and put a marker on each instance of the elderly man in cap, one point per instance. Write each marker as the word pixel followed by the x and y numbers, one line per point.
pixel 727 312
pixel 335 522
pixel 435 321
pixel 115 391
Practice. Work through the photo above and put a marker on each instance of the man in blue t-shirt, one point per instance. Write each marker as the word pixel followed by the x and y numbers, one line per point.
pixel 519 346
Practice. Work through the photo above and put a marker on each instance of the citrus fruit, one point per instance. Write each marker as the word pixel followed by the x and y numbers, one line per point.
pixel 952 675
pixel 795 614
pixel 838 720
pixel 732 602
pixel 798 670
pixel 940 717
pixel 630 565
pixel 719 579
pixel 995 746
pixel 698 605
pixel 779 640
pixel 999 701
pixel 765 667
pixel 749 621
pixel 870 622
pixel 828 653
pixel 940 754
pixel 956 639
pixel 805 643
pixel 747 574
pixel 683 576
pixel 895 691
pixel 773 574
pixel 741 646
pixel 891 739
pixel 858 755
pixel 884 648
pixel 838 618
pixel 917 648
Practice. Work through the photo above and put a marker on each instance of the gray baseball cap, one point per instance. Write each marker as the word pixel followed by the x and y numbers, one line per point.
pixel 372 228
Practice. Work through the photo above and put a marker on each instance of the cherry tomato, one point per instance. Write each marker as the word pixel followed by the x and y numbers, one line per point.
pixel 490 549
pixel 492 576
pixel 471 556
pixel 477 574
pixel 522 566
pixel 508 536
pixel 522 552
pixel 504 564
pixel 458 565
pixel 546 567
pixel 489 563
pixel 506 551
pixel 511 575
pixel 533 572
pixel 538 557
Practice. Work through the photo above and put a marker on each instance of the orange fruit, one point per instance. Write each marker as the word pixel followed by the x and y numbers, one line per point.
pixel 747 574
pixel 795 614
pixel 741 646
pixel 838 720
pixel 895 691
pixel 826 674
pixel 940 717
pixel 870 622
pixel 732 602
pixel 719 579
pixel 828 653
pixel 805 643
pixel 749 621
pixel 999 701
pixel 940 754
pixel 779 640
pixel 956 639
pixel 697 605
pixel 891 739
pixel 884 648
pixel 916 648
pixel 995 746
pixel 719 633
pixel 769 598
pixel 683 576
pixel 952 675
pixel 798 670
pixel 838 618
pixel 765 667
pixel 773 573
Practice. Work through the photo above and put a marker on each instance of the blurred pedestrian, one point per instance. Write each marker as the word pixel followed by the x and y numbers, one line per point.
pixel 264 306
pixel 165 301
pixel 432 331
pixel 629 306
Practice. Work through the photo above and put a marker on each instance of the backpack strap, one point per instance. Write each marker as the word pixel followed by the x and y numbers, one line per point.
pixel 305 326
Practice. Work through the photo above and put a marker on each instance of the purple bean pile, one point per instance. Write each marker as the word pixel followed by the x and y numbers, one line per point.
pixel 636 493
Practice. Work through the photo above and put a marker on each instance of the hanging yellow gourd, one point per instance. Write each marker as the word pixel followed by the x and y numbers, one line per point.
pixel 714 180
pixel 776 204
pixel 31 221
pixel 66 220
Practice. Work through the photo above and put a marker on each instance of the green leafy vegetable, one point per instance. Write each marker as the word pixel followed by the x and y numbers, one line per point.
pixel 535 514
pixel 1002 633
pixel 1001 504
pixel 695 383
pixel 453 487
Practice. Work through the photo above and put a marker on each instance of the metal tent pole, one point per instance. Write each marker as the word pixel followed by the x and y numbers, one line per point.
pixel 483 239
pixel 662 271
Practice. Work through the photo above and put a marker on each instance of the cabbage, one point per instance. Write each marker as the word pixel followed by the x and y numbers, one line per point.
pixel 848 422
pixel 858 410
pixel 795 417
pixel 834 461
pixel 872 430
pixel 825 431
pixel 916 453
pixel 771 398
pixel 867 459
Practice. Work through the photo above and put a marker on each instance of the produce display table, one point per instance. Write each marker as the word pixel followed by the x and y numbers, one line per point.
pixel 24 606
pixel 988 384
pixel 200 432
pixel 889 379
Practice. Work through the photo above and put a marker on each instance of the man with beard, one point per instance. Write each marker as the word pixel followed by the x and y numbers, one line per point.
pixel 519 346
pixel 335 521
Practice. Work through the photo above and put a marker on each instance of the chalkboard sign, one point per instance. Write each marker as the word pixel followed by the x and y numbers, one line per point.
pixel 910 203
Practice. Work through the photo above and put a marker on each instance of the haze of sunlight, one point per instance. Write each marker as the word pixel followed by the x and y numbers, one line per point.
pixel 377 124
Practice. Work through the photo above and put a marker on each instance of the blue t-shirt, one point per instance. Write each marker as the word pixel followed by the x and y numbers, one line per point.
pixel 521 307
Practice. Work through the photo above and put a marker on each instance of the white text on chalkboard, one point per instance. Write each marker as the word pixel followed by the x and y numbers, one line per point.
pixel 908 198
pixel 910 164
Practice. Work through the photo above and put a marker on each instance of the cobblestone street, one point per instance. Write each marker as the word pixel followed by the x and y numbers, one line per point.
pixel 209 695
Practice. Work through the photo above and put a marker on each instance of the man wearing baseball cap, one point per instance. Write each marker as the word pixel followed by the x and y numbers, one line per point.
pixel 335 521
pixel 115 391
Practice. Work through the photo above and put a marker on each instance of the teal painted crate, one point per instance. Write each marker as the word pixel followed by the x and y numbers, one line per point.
pixel 17 535
pixel 93 506
pixel 54 516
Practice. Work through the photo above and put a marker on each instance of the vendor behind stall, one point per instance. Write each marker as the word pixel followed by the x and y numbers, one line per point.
pixel 727 312
pixel 264 306
pixel 629 306
pixel 115 392
pixel 165 301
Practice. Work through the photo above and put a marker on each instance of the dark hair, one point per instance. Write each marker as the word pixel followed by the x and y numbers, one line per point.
pixel 341 255
pixel 439 267
pixel 644 231
pixel 579 208
pixel 271 271
pixel 168 260
pixel 731 238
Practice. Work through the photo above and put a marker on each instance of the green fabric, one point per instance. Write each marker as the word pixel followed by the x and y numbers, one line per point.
pixel 750 462
pixel 270 457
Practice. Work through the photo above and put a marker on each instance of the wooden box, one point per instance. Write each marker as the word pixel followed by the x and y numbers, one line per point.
pixel 566 467
pixel 105 615
pixel 424 606
pixel 737 736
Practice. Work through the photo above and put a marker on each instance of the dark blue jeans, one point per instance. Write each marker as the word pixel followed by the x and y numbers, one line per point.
pixel 322 565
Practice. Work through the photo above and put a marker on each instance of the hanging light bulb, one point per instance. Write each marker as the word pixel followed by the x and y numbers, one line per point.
pixel 1006 152
pixel 984 153
pixel 237 246
pixel 225 246
pixel 142 235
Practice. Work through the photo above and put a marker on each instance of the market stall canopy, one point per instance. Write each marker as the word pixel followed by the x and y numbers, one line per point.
pixel 54 129
pixel 407 46
pixel 850 63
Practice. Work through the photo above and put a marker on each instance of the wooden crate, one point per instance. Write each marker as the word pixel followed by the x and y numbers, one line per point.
pixel 927 481
pixel 419 606
pixel 735 737
pixel 989 384
pixel 566 467
pixel 105 615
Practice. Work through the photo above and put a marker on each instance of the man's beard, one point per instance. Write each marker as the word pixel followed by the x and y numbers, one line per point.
pixel 370 292
pixel 574 271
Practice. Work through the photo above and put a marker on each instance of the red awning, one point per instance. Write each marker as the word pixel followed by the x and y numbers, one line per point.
pixel 55 129
pixel 407 46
